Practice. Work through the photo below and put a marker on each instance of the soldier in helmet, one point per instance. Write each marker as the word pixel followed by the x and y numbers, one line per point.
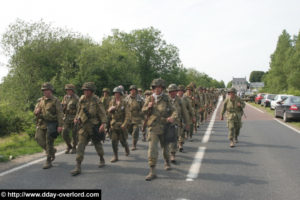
pixel 105 99
pixel 187 105
pixel 117 111
pixel 91 119
pixel 140 92
pixel 233 106
pixel 190 96
pixel 159 111
pixel 147 93
pixel 49 116
pixel 134 116
pixel 182 117
pixel 69 104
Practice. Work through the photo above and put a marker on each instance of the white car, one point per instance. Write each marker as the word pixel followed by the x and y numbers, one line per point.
pixel 278 98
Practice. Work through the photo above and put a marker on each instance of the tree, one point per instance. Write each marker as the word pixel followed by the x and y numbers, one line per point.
pixel 256 76
pixel 276 79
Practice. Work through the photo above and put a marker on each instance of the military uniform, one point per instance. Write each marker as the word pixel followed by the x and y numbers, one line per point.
pixel 191 100
pixel 147 93
pixel 182 118
pixel 90 114
pixel 134 106
pixel 117 112
pixel 49 116
pixel 157 119
pixel 105 102
pixel 187 106
pixel 234 114
pixel 69 104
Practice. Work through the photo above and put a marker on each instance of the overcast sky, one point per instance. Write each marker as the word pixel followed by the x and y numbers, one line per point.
pixel 222 38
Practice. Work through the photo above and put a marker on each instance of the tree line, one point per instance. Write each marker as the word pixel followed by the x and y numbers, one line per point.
pixel 283 75
pixel 39 52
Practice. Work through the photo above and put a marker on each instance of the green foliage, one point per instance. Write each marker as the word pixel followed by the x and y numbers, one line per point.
pixel 256 76
pixel 40 53
pixel 229 84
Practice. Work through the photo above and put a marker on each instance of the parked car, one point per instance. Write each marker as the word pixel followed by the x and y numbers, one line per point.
pixel 266 101
pixel 278 98
pixel 289 108
pixel 259 97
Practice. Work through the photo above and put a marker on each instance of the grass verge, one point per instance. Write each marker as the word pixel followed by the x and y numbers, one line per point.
pixel 295 124
pixel 16 145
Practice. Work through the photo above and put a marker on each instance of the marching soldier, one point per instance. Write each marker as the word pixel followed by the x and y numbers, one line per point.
pixel 69 104
pixel 105 99
pixel 159 111
pixel 233 105
pixel 190 97
pixel 187 105
pixel 48 112
pixel 179 122
pixel 118 124
pixel 134 104
pixel 147 93
pixel 91 119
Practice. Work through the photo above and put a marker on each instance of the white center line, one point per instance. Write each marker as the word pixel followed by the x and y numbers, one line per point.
pixel 196 165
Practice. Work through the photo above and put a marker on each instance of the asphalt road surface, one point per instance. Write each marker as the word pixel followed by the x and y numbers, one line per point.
pixel 264 165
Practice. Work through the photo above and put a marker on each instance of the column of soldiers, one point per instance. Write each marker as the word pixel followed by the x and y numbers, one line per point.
pixel 154 113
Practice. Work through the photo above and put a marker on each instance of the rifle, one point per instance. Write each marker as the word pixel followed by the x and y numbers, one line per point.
pixel 148 116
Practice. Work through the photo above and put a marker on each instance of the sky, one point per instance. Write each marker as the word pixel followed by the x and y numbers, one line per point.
pixel 222 38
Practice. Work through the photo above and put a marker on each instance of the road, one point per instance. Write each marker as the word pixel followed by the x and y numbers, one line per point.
pixel 264 165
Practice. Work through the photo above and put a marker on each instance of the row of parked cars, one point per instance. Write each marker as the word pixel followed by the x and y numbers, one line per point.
pixel 285 106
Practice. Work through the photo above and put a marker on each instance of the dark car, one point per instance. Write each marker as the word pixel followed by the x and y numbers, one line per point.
pixel 266 101
pixel 289 108
pixel 259 97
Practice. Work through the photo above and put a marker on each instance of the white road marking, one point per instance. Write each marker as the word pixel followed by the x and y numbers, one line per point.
pixel 26 165
pixel 297 131
pixel 195 168
pixel 196 165
pixel 255 108
pixel 208 131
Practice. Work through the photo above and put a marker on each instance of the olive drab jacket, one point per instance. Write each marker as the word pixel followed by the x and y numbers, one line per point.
pixel 118 116
pixel 90 111
pixel 158 114
pixel 134 109
pixel 69 104
pixel 233 112
pixel 183 115
pixel 189 103
pixel 50 111
pixel 105 101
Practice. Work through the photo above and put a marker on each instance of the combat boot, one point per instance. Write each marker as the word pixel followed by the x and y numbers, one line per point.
pixel 47 164
pixel 172 158
pixel 73 150
pixel 53 154
pixel 231 143
pixel 127 152
pixel 77 170
pixel 134 145
pixel 167 165
pixel 115 158
pixel 180 147
pixel 102 162
pixel 68 149
pixel 151 175
pixel 236 140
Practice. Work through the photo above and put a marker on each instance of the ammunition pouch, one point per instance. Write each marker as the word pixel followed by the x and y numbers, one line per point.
pixel 170 133
pixel 98 135
pixel 52 129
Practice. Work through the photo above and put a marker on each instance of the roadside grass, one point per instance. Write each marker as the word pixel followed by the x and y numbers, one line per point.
pixel 16 145
pixel 295 124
